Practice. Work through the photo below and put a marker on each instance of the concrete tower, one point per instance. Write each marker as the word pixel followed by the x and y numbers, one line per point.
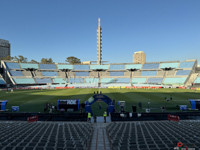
pixel 99 43
pixel 139 57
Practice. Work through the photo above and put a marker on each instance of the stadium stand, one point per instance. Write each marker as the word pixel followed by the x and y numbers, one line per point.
pixel 117 67
pixel 150 66
pixel 153 135
pixel 91 80
pixel 148 73
pixel 81 67
pixel 109 73
pixel 47 66
pixel 11 65
pixel 197 80
pixel 59 80
pixel 178 81
pixel 24 80
pixel 70 67
pixel 183 72
pixel 16 73
pixel 29 66
pixel 45 135
pixel 49 73
pixel 122 80
pixel 189 64
pixel 169 65
pixel 138 80
pixel 95 67
pixel 43 80
pixel 116 73
pixel 134 66
pixel 154 80
pixel 2 82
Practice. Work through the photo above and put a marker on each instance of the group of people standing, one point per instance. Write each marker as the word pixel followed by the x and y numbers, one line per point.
pixel 90 116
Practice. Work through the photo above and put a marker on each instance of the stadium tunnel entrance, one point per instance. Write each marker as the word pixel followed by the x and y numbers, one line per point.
pixel 99 98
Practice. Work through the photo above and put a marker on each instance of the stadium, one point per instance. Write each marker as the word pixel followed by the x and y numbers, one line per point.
pixel 100 105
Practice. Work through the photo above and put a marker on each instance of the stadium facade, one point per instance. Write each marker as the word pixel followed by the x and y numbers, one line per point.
pixel 168 73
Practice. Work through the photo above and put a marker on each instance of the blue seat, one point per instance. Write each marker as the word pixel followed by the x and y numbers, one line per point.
pixel 117 67
pixel 24 80
pixel 76 80
pixel 27 65
pixel 81 67
pixel 197 80
pixel 187 64
pixel 150 66
pixel 16 73
pixel 59 80
pixel 70 67
pixel 11 65
pixel 81 73
pixel 134 66
pixel 91 80
pixel 48 66
pixel 138 80
pixel 148 73
pixel 116 73
pixel 49 73
pixel 94 67
pixel 183 72
pixel 169 65
pixel 155 80
pixel 43 80
pixel 2 82
pixel 174 80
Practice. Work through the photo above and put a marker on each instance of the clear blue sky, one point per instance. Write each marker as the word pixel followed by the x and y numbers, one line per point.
pixel 163 29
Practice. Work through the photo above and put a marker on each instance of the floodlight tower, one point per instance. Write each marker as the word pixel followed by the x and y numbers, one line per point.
pixel 99 43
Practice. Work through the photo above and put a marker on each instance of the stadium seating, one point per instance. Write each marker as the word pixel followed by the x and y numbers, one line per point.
pixel 117 67
pixel 134 66
pixel 43 80
pixel 91 80
pixel 81 73
pixel 16 73
pixel 2 82
pixel 122 80
pixel 169 65
pixel 81 67
pixel 70 67
pixel 116 73
pixel 189 64
pixel 197 80
pixel 153 135
pixel 59 80
pixel 30 66
pixel 47 66
pixel 183 72
pixel 148 73
pixel 174 80
pixel 45 136
pixel 49 73
pixel 12 65
pixel 107 80
pixel 24 80
pixel 170 73
pixel 150 66
pixel 138 80
pixel 75 80
pixel 94 67
pixel 154 80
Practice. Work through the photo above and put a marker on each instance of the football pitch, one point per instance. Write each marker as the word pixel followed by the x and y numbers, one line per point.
pixel 34 100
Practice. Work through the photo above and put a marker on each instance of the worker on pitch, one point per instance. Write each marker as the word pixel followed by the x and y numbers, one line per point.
pixel 89 117
pixel 105 115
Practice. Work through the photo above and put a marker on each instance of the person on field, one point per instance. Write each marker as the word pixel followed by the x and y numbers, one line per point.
pixel 105 115
pixel 89 117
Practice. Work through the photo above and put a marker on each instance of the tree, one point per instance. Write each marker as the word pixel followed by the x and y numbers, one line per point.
pixel 34 61
pixel 47 61
pixel 20 58
pixel 73 60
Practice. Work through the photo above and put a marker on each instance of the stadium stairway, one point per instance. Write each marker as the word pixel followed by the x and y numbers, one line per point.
pixel 100 139
pixel 191 79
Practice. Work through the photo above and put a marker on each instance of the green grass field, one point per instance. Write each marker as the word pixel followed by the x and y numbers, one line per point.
pixel 34 100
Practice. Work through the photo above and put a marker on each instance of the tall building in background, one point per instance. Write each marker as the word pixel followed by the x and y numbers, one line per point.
pixel 4 48
pixel 139 57
pixel 99 43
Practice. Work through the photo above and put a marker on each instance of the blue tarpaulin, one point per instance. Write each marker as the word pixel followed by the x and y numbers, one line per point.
pixel 3 104
pixel 193 103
